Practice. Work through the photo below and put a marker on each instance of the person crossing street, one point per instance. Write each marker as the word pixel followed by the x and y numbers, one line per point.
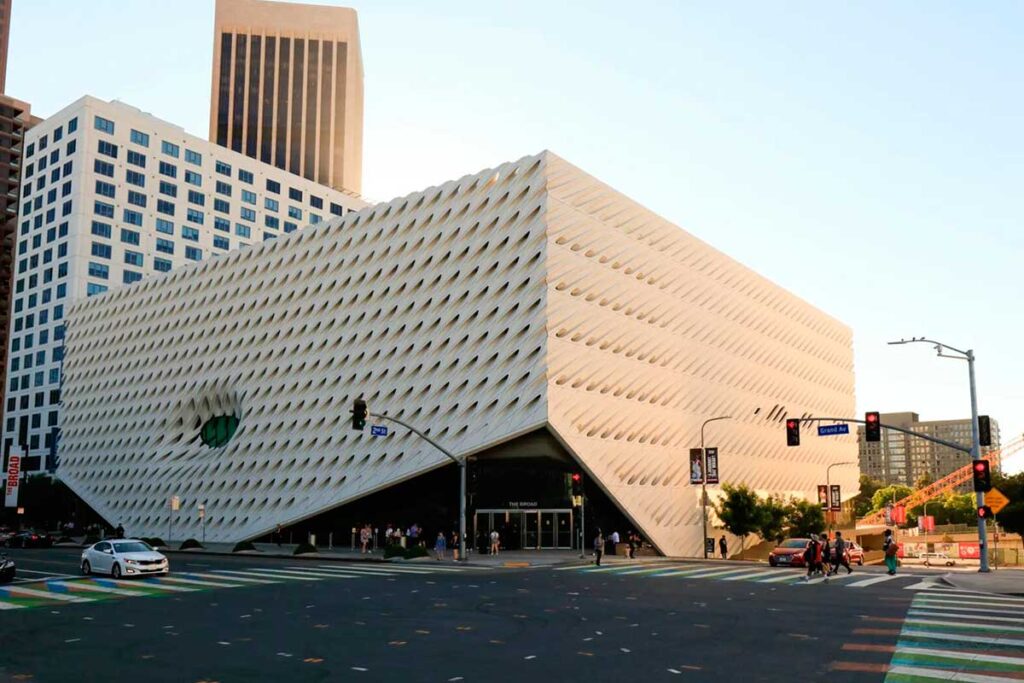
pixel 839 556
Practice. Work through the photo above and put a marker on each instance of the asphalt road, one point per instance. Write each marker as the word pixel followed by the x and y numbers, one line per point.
pixel 272 620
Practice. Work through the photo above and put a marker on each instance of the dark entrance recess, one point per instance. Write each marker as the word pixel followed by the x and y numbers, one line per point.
pixel 522 488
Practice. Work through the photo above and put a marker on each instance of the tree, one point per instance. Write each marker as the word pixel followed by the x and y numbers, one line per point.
pixel 774 513
pixel 924 480
pixel 888 494
pixel 1011 517
pixel 862 501
pixel 740 511
pixel 805 518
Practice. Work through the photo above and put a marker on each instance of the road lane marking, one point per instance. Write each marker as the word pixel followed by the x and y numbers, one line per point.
pixel 929 612
pixel 961 655
pixel 745 577
pixel 196 582
pixel 33 593
pixel 974 597
pixel 955 607
pixel 147 584
pixel 702 573
pixel 956 625
pixel 89 586
pixel 310 572
pixel 218 577
pixel 46 575
pixel 9 605
pixel 941 674
pixel 872 581
pixel 785 576
pixel 983 640
pixel 260 573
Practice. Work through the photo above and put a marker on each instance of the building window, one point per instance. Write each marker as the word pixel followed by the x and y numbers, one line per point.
pixel 72 146
pixel 161 265
pixel 295 212
pixel 273 186
pixel 103 209
pixel 130 236
pixel 271 204
pixel 165 207
pixel 193 157
pixel 242 230
pixel 222 168
pixel 102 168
pixel 101 124
pixel 221 205
pixel 316 202
pixel 222 224
pixel 135 178
pixel 92 288
pixel 269 236
pixel 169 170
pixel 164 226
pixel 221 242
pixel 136 158
pixel 164 246
pixel 101 229
pixel 130 276
pixel 132 217
pixel 223 188
pixel 195 216
pixel 193 178
pixel 136 198
pixel 190 234
pixel 101 250
pixel 169 149
pixel 105 189
pixel 272 222
pixel 197 198
pixel 98 270
pixel 140 138
pixel 193 254
pixel 294 194
pixel 245 176
pixel 290 227
pixel 337 209
pixel 169 189
pixel 249 197
pixel 72 125
pixel 107 149
pixel 248 214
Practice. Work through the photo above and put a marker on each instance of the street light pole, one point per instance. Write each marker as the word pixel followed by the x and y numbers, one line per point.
pixel 967 355
pixel 828 488
pixel 704 480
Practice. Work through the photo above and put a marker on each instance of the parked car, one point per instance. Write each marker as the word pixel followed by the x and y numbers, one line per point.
pixel 936 558
pixel 123 557
pixel 5 533
pixel 6 569
pixel 789 553
pixel 29 539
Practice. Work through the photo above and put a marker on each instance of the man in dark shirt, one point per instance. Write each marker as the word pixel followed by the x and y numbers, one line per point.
pixel 839 557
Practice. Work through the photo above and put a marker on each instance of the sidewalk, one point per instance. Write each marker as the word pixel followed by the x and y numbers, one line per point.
pixel 1005 581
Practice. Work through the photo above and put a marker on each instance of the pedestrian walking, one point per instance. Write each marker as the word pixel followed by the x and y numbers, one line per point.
pixel 119 532
pixel 278 532
pixel 364 538
pixel 839 556
pixel 439 546
pixel 824 562
pixel 455 545
pixel 495 541
pixel 389 534
pixel 598 547
pixel 723 547
pixel 631 537
pixel 891 549
pixel 812 556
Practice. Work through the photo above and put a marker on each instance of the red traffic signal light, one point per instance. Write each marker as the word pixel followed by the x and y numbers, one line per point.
pixel 872 427
pixel 982 476
pixel 577 484
pixel 792 432
pixel 985 512
pixel 576 476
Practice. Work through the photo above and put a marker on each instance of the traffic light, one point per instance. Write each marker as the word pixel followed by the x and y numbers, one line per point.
pixel 985 512
pixel 984 430
pixel 872 427
pixel 359 413
pixel 577 484
pixel 982 476
pixel 792 431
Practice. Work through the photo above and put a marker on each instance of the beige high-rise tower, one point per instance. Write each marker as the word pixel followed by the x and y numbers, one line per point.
pixel 288 88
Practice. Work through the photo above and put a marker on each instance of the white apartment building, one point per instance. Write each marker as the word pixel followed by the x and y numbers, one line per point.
pixel 109 196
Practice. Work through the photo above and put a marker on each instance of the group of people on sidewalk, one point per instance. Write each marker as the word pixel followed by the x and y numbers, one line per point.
pixel 611 542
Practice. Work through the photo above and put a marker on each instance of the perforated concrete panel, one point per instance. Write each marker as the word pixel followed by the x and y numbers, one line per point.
pixel 522 297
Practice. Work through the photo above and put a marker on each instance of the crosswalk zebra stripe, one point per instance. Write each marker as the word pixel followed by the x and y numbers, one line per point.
pixel 148 584
pixel 961 625
pixel 977 597
pixel 46 595
pixel 218 577
pixel 311 572
pixel 747 577
pixel 961 655
pixel 701 573
pixel 872 581
pixel 360 571
pixel 983 640
pixel 89 586
pixel 375 569
pixel 941 674
pixel 645 570
pixel 915 611
pixel 261 573
pixel 9 605
pixel 784 576
pixel 197 582
pixel 955 606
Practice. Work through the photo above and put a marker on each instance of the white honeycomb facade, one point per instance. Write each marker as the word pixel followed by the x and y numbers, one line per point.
pixel 524 297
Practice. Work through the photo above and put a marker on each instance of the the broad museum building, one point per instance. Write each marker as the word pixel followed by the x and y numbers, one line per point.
pixel 528 317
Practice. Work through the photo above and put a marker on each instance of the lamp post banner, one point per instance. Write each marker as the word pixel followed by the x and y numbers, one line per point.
pixel 823 496
pixel 696 466
pixel 711 464
pixel 835 498
pixel 12 479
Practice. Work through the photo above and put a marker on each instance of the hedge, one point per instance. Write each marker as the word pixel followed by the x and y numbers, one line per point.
pixel 189 544
pixel 304 549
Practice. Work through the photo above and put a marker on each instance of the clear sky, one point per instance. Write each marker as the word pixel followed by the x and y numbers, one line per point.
pixel 866 156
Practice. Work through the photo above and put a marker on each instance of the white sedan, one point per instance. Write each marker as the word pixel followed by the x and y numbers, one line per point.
pixel 123 557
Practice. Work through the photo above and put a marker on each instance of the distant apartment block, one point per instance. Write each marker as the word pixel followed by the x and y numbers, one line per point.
pixel 903 459
pixel 287 88
pixel 109 196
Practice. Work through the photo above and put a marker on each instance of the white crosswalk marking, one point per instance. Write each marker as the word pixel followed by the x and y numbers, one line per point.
pixel 89 586
pixel 783 577
pixel 197 582
pixel 310 572
pixel 955 606
pixel 149 583
pixel 959 615
pixel 748 576
pixel 9 605
pixel 218 577
pixel 872 581
pixel 262 573
pixel 922 672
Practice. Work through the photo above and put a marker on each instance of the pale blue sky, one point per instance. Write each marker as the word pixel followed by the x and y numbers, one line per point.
pixel 866 156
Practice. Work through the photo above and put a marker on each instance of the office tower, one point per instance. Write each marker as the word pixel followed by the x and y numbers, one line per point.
pixel 287 88
pixel 111 195
pixel 5 35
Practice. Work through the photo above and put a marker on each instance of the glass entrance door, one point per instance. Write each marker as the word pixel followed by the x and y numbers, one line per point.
pixel 547 529
pixel 563 530
pixel 531 530
pixel 526 529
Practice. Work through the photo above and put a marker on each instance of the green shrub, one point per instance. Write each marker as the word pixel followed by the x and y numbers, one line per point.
pixel 303 549
pixel 393 551
pixel 92 538
pixel 416 551
pixel 155 542
pixel 189 544
pixel 242 546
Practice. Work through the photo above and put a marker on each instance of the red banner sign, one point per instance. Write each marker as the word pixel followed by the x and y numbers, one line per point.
pixel 969 551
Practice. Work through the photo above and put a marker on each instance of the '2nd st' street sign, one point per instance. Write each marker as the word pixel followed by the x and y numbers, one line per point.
pixel 378 430
pixel 831 430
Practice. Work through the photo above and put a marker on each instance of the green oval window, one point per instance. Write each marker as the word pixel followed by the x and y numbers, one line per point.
pixel 217 431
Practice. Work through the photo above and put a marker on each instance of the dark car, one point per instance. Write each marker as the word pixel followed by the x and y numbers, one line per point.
pixel 30 539
pixel 789 553
pixel 6 569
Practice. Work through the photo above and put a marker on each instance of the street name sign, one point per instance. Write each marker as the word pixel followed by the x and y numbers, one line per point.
pixel 832 430
pixel 378 430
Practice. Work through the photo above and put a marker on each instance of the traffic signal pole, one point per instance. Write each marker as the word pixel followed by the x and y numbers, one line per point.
pixel 976 455
pixel 461 462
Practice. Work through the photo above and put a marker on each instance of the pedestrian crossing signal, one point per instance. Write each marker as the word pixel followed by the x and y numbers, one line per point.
pixel 982 476
pixel 792 432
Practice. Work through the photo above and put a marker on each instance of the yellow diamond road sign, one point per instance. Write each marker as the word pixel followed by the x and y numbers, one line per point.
pixel 996 500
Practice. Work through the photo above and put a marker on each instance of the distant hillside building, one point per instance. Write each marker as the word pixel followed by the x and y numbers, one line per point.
pixel 903 459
